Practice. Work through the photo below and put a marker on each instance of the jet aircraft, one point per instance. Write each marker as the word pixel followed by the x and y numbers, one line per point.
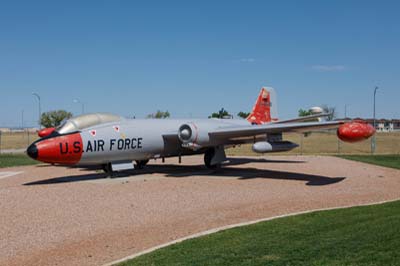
pixel 114 142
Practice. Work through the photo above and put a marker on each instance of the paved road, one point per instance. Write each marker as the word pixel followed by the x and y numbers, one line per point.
pixel 12 151
pixel 62 216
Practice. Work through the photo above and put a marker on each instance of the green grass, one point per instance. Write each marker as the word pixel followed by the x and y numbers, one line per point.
pixel 367 235
pixel 392 161
pixel 9 160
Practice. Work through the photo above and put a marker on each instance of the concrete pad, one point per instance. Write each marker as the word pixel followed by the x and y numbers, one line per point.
pixel 8 174
pixel 67 216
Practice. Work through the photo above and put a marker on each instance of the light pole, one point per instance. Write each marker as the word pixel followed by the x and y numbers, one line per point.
pixel 345 110
pixel 345 117
pixel 83 105
pixel 373 140
pixel 40 108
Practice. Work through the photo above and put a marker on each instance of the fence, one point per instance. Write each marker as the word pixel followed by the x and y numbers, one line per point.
pixel 328 143
pixel 16 141
pixel 315 143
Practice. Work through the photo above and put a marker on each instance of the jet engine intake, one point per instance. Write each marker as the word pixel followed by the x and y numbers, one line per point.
pixel 264 146
pixel 191 137
pixel 185 133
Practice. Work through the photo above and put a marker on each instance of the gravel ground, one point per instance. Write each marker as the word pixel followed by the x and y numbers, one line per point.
pixel 66 216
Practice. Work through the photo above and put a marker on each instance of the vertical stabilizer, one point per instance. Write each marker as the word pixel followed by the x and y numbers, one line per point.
pixel 265 109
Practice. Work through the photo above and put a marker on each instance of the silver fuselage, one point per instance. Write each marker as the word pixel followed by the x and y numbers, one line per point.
pixel 140 139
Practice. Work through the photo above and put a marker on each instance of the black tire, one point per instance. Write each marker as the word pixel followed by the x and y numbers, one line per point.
pixel 108 170
pixel 142 163
pixel 208 157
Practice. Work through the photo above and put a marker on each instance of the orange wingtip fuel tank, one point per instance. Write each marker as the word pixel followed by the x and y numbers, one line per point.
pixel 46 131
pixel 65 149
pixel 355 131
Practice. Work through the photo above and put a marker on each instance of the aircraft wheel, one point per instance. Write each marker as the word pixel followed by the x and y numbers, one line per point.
pixel 108 169
pixel 208 157
pixel 140 164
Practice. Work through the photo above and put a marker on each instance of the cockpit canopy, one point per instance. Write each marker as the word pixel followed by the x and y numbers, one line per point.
pixel 84 121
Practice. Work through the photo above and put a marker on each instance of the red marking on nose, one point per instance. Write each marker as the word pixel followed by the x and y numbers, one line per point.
pixel 355 131
pixel 66 149
pixel 46 131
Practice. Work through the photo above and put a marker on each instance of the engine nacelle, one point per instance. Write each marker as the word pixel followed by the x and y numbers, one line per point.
pixel 264 146
pixel 192 137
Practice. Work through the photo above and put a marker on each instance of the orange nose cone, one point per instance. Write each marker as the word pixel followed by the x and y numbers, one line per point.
pixel 66 149
pixel 355 131
pixel 46 131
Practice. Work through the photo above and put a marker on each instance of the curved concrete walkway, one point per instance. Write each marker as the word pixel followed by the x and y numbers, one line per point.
pixel 216 230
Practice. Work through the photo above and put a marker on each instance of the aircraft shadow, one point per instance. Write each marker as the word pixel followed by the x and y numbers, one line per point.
pixel 247 173
pixel 67 179
pixel 238 161
pixel 182 171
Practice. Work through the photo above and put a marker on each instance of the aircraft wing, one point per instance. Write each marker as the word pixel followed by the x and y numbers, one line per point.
pixel 307 118
pixel 240 131
pixel 194 137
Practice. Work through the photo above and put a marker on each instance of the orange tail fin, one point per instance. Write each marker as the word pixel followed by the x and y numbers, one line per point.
pixel 264 111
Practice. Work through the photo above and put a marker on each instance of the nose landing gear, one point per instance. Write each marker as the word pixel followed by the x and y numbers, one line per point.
pixel 112 168
pixel 107 168
pixel 141 164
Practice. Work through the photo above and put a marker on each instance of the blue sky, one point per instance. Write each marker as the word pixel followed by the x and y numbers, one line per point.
pixel 192 58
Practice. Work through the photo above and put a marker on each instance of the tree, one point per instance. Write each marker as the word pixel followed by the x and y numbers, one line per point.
pixel 243 114
pixel 330 110
pixel 159 114
pixel 54 118
pixel 326 109
pixel 221 114
pixel 303 112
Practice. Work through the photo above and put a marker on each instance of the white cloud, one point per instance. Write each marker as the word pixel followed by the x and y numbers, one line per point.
pixel 329 68
pixel 247 60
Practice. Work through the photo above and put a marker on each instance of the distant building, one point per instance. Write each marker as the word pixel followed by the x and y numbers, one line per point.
pixel 383 125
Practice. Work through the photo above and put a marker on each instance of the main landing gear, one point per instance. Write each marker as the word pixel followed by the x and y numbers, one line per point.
pixel 214 156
